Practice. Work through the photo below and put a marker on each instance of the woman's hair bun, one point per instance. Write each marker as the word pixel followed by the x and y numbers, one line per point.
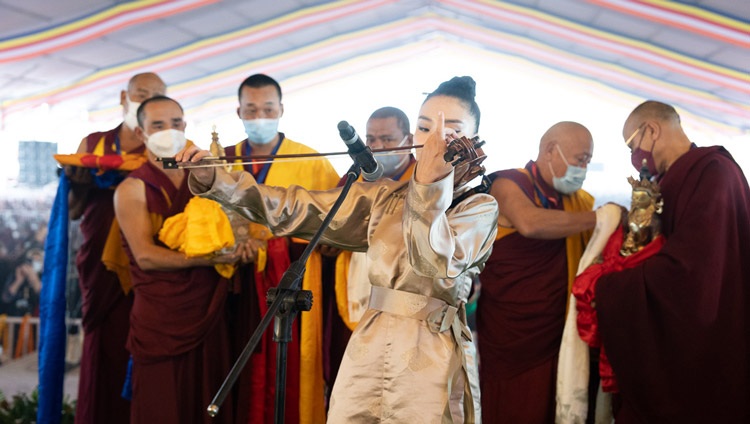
pixel 462 87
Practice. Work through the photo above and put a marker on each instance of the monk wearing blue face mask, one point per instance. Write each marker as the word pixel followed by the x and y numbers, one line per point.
pixel 260 109
pixel 544 223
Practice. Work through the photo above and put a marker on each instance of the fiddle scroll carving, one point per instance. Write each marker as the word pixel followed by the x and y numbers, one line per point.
pixel 466 156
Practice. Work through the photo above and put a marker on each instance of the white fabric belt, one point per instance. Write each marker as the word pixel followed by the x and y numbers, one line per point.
pixel 439 315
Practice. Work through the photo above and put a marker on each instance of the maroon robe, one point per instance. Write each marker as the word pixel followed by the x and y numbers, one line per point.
pixel 178 330
pixel 520 317
pixel 105 309
pixel 677 327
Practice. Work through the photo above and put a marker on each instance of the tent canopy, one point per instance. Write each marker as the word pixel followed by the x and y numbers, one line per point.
pixel 693 54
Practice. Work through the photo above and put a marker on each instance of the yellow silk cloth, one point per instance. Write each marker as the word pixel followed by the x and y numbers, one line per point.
pixel 579 201
pixel 103 162
pixel 342 271
pixel 202 229
pixel 312 175
pixel 114 257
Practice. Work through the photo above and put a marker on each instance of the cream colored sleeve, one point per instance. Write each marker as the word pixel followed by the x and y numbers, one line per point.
pixel 295 211
pixel 443 243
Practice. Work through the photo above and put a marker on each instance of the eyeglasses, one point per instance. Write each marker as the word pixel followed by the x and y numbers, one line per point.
pixel 629 141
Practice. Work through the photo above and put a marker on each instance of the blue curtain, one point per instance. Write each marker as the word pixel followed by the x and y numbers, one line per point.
pixel 52 310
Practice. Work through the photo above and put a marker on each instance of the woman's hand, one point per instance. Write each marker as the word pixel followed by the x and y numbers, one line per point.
pixel 192 155
pixel 432 166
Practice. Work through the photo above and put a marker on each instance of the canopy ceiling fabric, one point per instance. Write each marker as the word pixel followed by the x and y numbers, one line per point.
pixel 694 54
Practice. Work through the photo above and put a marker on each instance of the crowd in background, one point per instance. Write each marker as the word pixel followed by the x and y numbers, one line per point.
pixel 23 228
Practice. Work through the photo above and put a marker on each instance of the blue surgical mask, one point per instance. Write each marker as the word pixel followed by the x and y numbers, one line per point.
pixel 261 131
pixel 573 179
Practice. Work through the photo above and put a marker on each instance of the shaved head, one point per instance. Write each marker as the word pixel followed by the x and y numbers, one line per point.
pixel 148 79
pixel 566 134
pixel 653 110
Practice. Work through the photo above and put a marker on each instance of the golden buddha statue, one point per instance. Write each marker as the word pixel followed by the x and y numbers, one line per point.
pixel 643 224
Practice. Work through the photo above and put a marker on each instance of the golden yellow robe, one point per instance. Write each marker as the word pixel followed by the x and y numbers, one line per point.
pixel 312 175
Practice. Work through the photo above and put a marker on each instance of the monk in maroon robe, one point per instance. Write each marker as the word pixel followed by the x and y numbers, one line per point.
pixel 105 305
pixel 178 329
pixel 676 328
pixel 543 225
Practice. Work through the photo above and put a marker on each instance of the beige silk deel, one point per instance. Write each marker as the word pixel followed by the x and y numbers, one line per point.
pixel 411 358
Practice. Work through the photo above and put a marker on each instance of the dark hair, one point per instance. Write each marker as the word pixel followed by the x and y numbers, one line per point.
pixel 257 81
pixel 141 113
pixel 462 88
pixel 393 112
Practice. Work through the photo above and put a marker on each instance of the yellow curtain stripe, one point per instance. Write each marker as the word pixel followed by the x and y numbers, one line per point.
pixel 78 24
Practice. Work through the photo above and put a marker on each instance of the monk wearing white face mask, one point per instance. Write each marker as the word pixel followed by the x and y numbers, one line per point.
pixel 545 220
pixel 178 333
pixel 106 304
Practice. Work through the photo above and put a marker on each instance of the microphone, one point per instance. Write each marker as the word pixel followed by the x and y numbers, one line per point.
pixel 361 154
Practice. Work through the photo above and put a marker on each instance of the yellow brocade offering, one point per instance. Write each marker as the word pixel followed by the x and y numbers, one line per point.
pixel 201 230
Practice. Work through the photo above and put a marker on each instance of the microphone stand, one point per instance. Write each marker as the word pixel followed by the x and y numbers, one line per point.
pixel 285 301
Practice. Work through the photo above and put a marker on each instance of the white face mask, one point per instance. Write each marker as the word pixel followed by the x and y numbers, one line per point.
pixel 37 266
pixel 261 131
pixel 393 162
pixel 166 143
pixel 131 117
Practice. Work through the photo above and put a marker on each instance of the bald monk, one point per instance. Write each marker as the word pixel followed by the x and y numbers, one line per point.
pixel 676 327
pixel 105 305
pixel 545 220
pixel 178 331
